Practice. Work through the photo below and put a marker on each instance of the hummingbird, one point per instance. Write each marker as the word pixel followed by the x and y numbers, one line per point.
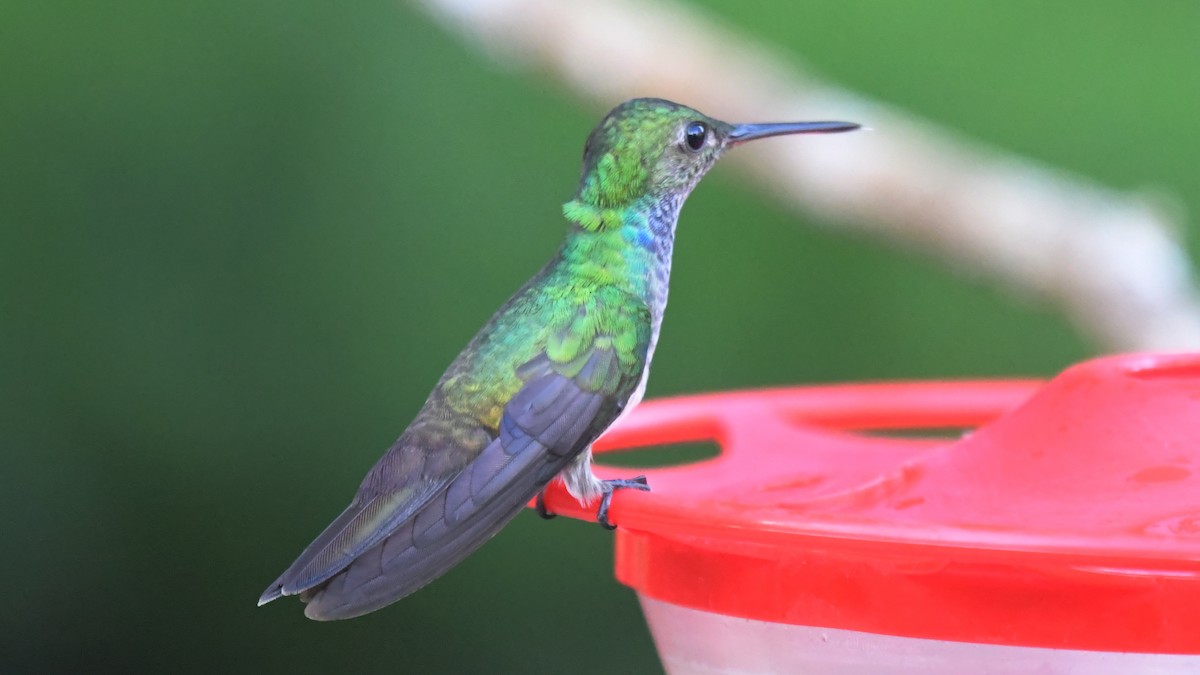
pixel 559 363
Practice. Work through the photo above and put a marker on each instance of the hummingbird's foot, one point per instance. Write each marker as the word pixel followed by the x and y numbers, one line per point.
pixel 611 486
pixel 540 504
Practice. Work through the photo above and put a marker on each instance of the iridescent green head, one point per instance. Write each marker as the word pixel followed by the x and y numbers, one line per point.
pixel 648 147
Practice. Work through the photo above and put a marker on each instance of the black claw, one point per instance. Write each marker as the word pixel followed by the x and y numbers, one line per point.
pixel 602 512
pixel 541 507
pixel 611 486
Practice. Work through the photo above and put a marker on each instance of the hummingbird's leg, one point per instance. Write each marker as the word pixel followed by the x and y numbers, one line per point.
pixel 540 504
pixel 611 486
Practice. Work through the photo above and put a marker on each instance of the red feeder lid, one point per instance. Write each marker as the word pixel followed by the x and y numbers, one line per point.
pixel 1069 517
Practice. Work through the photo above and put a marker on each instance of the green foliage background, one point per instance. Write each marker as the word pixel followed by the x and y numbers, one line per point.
pixel 240 240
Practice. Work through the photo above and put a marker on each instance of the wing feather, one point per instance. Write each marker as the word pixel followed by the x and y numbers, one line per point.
pixel 540 433
pixel 451 482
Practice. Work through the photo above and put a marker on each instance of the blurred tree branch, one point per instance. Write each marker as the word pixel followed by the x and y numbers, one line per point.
pixel 1110 260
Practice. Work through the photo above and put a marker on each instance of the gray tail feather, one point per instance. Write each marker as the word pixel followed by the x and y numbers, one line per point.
pixel 459 519
pixel 277 588
pixel 397 567
pixel 361 526
pixel 425 547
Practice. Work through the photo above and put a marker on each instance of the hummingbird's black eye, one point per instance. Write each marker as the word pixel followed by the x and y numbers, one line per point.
pixel 695 135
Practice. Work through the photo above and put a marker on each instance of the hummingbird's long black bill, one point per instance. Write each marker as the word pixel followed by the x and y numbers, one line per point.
pixel 749 132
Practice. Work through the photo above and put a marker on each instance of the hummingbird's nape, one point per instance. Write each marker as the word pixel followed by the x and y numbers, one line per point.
pixel 556 366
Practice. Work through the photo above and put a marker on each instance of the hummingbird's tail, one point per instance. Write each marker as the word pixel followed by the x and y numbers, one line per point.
pixel 393 570
pixel 365 523
pixel 459 519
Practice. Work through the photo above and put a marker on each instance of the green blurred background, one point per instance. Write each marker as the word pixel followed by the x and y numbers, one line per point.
pixel 240 240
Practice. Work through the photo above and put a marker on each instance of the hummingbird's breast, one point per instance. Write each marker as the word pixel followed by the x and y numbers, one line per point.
pixel 656 239
pixel 661 219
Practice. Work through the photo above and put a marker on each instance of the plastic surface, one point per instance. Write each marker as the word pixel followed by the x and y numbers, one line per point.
pixel 1070 517
pixel 692 642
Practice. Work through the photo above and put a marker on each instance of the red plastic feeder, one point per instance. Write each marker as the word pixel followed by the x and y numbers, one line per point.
pixel 1060 534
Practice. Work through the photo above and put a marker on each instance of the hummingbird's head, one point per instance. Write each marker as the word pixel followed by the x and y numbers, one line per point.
pixel 648 147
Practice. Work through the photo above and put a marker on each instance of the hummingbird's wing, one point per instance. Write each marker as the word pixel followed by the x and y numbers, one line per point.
pixel 399 539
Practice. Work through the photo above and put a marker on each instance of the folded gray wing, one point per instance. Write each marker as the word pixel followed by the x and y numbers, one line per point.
pixel 543 427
